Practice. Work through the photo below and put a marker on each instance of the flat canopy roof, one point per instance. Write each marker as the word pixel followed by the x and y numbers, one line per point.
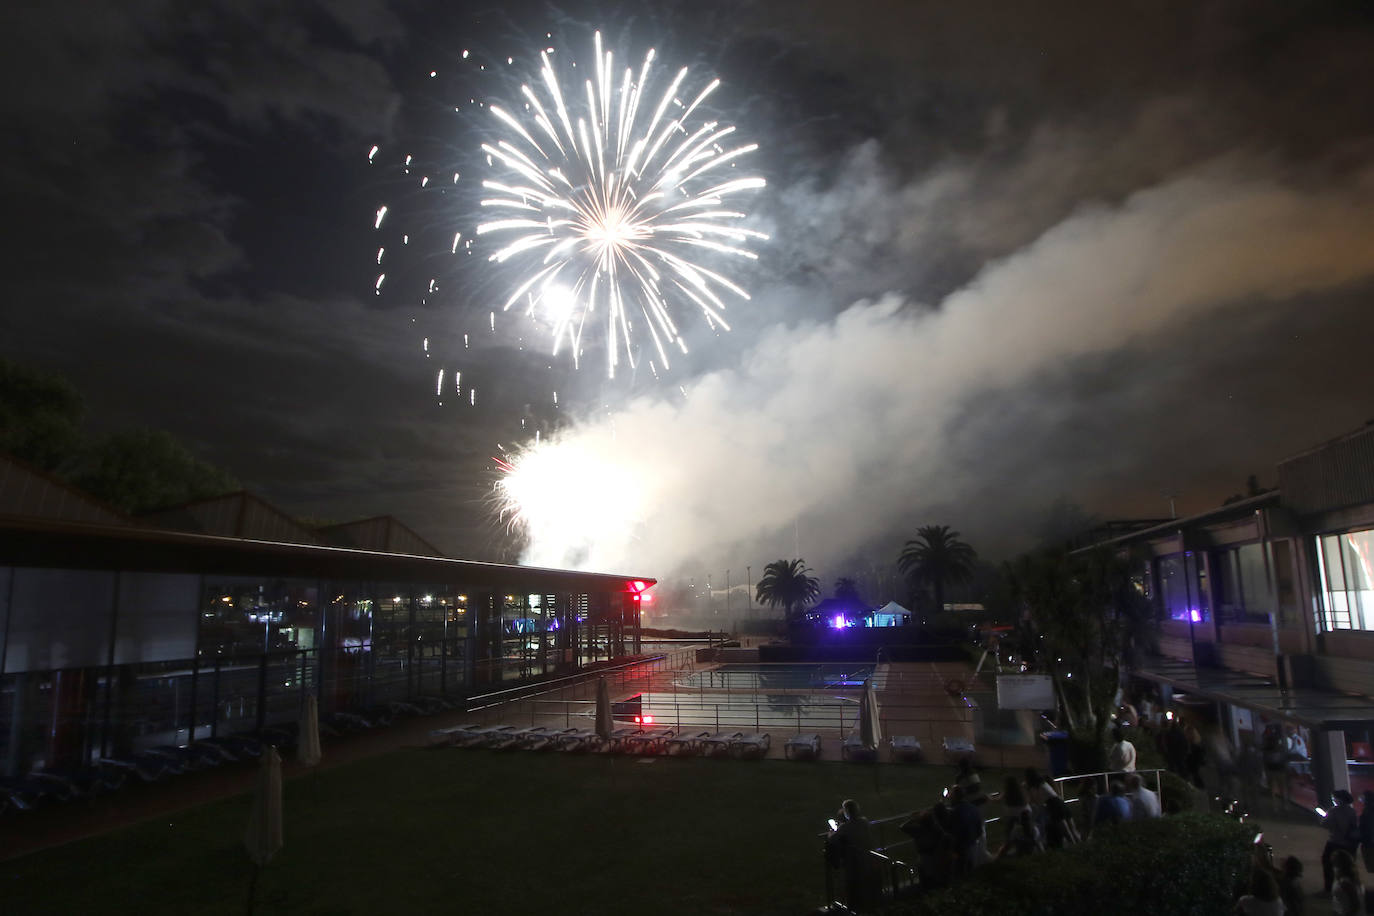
pixel 61 545
pixel 1324 709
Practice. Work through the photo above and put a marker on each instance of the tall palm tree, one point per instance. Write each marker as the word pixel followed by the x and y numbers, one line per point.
pixel 934 558
pixel 785 584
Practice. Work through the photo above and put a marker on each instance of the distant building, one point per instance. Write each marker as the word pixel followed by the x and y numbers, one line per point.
pixel 1265 606
pixel 119 634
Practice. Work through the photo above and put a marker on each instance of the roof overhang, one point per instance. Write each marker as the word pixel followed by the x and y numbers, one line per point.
pixel 45 544
pixel 1322 709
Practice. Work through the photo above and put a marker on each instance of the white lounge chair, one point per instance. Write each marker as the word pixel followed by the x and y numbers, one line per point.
pixel 579 739
pixel 447 737
pixel 515 738
pixel 754 746
pixel 717 745
pixel 906 747
pixel 685 743
pixel 649 741
pixel 958 747
pixel 853 749
pixel 546 739
pixel 802 747
pixel 484 737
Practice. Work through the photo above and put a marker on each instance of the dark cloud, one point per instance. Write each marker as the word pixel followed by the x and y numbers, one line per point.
pixel 1116 251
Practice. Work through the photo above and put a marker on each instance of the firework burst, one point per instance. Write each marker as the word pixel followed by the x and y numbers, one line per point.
pixel 608 205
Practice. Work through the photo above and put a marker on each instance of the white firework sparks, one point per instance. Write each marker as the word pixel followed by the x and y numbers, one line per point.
pixel 575 496
pixel 609 205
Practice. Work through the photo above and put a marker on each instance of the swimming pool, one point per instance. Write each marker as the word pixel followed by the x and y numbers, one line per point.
pixel 719 711
pixel 791 676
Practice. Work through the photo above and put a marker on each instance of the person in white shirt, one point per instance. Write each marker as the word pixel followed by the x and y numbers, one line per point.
pixel 1263 899
pixel 1121 756
pixel 1144 802
pixel 1298 760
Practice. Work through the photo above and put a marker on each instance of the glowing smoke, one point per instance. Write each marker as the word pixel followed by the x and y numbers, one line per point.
pixel 848 424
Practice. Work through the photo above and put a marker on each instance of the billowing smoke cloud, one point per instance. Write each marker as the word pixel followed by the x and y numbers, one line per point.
pixel 827 433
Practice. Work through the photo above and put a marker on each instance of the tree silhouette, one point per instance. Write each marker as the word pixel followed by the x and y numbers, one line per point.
pixel 1088 612
pixel 847 590
pixel 785 584
pixel 936 558
pixel 139 470
pixel 40 416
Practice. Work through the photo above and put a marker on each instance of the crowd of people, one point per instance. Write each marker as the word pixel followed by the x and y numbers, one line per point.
pixel 969 827
pixel 957 833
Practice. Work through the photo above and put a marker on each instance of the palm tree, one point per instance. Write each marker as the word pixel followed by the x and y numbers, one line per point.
pixel 785 584
pixel 934 558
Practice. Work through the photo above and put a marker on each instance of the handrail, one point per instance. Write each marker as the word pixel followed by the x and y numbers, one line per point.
pixel 893 863
pixel 529 691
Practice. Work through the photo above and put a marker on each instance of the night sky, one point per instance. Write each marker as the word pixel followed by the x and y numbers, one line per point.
pixel 1019 253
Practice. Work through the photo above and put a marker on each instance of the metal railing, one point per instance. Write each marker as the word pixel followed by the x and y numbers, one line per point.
pixel 897 876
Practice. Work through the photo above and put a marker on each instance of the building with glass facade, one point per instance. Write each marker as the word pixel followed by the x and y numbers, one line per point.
pixel 115 637
pixel 1270 603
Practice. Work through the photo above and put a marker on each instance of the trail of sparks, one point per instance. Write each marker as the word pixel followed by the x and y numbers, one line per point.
pixel 608 204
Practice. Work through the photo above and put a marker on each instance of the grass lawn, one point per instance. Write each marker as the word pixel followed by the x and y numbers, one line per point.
pixel 453 830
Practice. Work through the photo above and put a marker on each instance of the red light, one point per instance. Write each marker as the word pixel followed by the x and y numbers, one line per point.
pixel 646 598
pixel 648 720
pixel 636 718
pixel 639 585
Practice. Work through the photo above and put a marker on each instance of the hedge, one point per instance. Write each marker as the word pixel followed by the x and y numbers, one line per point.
pixel 1190 864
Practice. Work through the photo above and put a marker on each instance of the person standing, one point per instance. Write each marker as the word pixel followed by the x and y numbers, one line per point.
pixel 1121 755
pixel 1366 827
pixel 1275 751
pixel 1059 828
pixel 1174 744
pixel 966 777
pixel 1290 886
pixel 930 834
pixel 849 846
pixel 1087 805
pixel 1197 754
pixel 1342 836
pixel 970 838
pixel 1144 802
pixel 1014 804
pixel 1347 894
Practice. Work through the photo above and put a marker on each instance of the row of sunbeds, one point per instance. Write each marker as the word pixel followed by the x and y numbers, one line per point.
pixel 902 747
pixel 622 740
pixel 105 775
pixel 110 774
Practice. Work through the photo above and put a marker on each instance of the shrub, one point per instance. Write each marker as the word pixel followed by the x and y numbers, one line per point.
pixel 1189 864
pixel 1179 794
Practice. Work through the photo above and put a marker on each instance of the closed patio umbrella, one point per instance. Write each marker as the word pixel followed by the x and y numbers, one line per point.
pixel 603 710
pixel 870 729
pixel 308 750
pixel 263 836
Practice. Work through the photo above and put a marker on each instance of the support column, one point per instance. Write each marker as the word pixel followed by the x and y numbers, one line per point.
pixel 1329 768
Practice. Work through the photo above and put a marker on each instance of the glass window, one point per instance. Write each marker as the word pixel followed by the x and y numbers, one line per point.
pixel 1347 573
pixel 1257 598
pixel 156 620
pixel 1180 592
pixel 243 616
pixel 59 618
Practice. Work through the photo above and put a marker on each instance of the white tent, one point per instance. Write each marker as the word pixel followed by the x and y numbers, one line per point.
pixel 891 614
